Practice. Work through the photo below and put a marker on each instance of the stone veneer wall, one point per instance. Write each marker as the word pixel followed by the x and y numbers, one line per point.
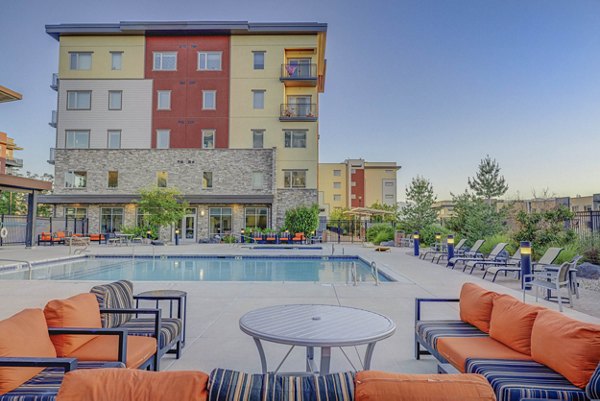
pixel 289 198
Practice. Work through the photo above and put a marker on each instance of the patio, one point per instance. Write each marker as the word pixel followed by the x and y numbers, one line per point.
pixel 214 338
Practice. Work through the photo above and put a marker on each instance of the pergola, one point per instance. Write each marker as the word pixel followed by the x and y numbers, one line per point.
pixel 367 212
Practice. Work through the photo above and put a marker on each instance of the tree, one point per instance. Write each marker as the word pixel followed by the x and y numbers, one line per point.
pixel 419 212
pixel 163 206
pixel 488 183
pixel 302 219
pixel 475 219
pixel 394 217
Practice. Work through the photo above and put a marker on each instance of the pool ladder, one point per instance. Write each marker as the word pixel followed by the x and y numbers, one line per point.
pixel 374 273
pixel 20 261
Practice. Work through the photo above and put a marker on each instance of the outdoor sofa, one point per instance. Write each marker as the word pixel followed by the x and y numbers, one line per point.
pixel 524 351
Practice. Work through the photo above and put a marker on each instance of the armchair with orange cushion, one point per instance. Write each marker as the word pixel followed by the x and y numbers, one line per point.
pixel 298 238
pixel 59 237
pixel 99 238
pixel 45 238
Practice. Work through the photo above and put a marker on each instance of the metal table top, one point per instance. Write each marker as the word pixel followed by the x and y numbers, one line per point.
pixel 317 325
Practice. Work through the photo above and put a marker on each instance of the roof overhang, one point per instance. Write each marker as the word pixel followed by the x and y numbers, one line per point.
pixel 8 95
pixel 130 198
pixel 22 184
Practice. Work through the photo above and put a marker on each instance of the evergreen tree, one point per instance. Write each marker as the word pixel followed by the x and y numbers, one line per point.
pixel 419 212
pixel 488 183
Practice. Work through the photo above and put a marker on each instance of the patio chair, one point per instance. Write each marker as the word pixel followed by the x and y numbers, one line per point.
pixel 471 254
pixel 511 264
pixel 118 296
pixel 515 266
pixel 494 256
pixel 551 280
pixel 547 259
pixel 459 249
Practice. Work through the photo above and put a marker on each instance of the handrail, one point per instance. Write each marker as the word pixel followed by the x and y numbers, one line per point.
pixel 376 272
pixel 20 261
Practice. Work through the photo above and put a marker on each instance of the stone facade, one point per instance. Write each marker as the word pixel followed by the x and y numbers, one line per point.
pixel 290 198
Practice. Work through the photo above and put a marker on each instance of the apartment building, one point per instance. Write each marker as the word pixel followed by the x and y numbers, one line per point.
pixel 356 183
pixel 9 164
pixel 227 112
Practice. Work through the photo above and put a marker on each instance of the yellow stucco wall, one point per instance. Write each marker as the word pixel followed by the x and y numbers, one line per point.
pixel 133 48
pixel 326 186
pixel 244 118
pixel 374 181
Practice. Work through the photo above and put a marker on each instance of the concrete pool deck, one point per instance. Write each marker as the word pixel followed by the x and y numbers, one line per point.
pixel 214 308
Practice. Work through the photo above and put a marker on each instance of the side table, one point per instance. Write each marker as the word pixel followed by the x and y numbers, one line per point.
pixel 177 296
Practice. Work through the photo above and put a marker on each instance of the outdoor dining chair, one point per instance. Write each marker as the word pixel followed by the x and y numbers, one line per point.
pixel 552 281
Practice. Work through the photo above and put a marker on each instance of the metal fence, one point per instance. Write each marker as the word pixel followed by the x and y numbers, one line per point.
pixel 586 223
pixel 16 227
pixel 347 231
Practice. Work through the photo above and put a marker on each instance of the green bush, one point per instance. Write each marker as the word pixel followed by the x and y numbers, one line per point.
pixel 492 241
pixel 228 239
pixel 141 231
pixel 590 249
pixel 302 219
pixel 427 235
pixel 568 253
pixel 380 232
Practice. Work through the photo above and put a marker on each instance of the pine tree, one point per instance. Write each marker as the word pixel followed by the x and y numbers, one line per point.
pixel 488 183
pixel 419 212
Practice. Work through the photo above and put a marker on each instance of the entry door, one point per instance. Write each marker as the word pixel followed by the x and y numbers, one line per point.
pixel 299 105
pixel 187 227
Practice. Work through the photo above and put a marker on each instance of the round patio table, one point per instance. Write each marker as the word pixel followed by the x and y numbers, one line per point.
pixel 310 326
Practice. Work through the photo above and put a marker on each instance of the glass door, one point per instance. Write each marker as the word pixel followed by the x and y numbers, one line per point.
pixel 187 226
pixel 299 106
pixel 300 67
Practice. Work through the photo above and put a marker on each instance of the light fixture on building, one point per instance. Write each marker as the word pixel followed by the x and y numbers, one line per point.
pixel 202 212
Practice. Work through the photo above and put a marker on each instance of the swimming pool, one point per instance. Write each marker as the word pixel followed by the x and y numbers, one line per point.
pixel 332 269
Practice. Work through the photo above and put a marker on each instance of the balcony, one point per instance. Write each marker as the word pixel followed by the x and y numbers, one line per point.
pixel 14 162
pixel 54 84
pixel 299 74
pixel 298 112
pixel 54 119
pixel 52 155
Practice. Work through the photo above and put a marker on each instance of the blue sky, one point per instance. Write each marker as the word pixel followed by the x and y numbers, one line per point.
pixel 432 85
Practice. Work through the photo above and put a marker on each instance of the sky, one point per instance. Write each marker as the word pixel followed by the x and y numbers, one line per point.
pixel 433 85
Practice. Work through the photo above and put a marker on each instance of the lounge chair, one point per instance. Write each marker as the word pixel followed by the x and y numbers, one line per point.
pixel 436 247
pixel 459 249
pixel 494 256
pixel 547 259
pixel 498 266
pixel 471 254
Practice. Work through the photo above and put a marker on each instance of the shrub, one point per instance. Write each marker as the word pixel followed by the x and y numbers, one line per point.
pixel 590 249
pixel 380 232
pixel 427 235
pixel 568 253
pixel 229 239
pixel 492 241
pixel 302 219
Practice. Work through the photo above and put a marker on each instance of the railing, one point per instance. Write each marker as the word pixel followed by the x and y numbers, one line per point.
pixel 299 72
pixel 52 155
pixel 25 262
pixel 17 227
pixel 298 112
pixel 14 162
pixel 585 223
pixel 54 119
pixel 54 84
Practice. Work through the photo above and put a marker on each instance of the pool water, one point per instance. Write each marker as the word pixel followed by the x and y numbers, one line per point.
pixel 234 268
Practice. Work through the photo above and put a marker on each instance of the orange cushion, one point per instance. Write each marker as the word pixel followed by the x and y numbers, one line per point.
pixel 23 335
pixel 372 385
pixel 133 385
pixel 79 311
pixel 456 350
pixel 512 321
pixel 476 306
pixel 106 348
pixel 570 347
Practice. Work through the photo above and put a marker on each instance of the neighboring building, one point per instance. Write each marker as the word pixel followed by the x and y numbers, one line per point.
pixel 445 210
pixel 356 183
pixel 585 203
pixel 8 163
pixel 226 112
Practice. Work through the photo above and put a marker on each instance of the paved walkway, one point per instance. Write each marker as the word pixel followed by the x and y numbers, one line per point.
pixel 214 337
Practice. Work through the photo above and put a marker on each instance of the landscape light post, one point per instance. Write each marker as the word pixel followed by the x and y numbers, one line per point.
pixel 416 243
pixel 525 263
pixel 450 246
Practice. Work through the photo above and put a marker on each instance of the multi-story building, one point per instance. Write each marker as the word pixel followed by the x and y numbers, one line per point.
pixel 227 112
pixel 9 164
pixel 356 183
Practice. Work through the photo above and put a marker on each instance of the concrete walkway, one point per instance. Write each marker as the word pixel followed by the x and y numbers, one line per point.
pixel 214 338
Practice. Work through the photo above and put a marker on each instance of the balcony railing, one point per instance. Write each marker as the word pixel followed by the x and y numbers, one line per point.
pixel 52 155
pixel 54 84
pixel 299 74
pixel 54 119
pixel 298 112
pixel 14 162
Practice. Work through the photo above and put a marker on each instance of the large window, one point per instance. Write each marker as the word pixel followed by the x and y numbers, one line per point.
pixel 294 178
pixel 295 139
pixel 161 179
pixel 79 100
pixel 111 219
pixel 162 138
pixel 207 180
pixel 113 179
pixel 257 217
pixel 80 61
pixel 219 220
pixel 115 100
pixel 141 218
pixel 208 138
pixel 76 212
pixel 114 139
pixel 258 138
pixel 209 100
pixel 209 61
pixel 77 139
pixel 163 100
pixel 259 60
pixel 258 99
pixel 165 61
pixel 116 60
pixel 75 179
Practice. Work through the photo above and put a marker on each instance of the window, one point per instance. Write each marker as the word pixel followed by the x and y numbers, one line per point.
pixel 207 180
pixel 337 173
pixel 299 106
pixel 162 138
pixel 161 179
pixel 353 183
pixel 209 100
pixel 337 198
pixel 353 196
pixel 111 219
pixel 389 196
pixel 75 179
pixel 209 61
pixel 294 179
pixel 208 138
pixel 164 100
pixel 258 179
pixel 353 171
pixel 76 212
pixel 299 68
pixel 389 183
pixel 80 60
pixel 295 139
pixel 79 100
pixel 141 218
pixel 258 137
pixel 115 100
pixel 113 179
pixel 257 217
pixel 78 139
pixel 114 139
pixel 219 220
pixel 165 61
pixel 258 99
pixel 337 185
pixel 116 60
pixel 259 60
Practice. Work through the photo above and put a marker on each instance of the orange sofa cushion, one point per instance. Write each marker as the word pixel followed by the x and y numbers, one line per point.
pixel 106 348
pixel 372 385
pixel 476 306
pixel 512 322
pixel 78 311
pixel 23 335
pixel 133 385
pixel 456 350
pixel 570 347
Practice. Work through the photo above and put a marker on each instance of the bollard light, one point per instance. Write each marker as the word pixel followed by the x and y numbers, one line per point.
pixel 416 243
pixel 176 236
pixel 450 242
pixel 525 263
pixel 438 236
pixel 242 237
